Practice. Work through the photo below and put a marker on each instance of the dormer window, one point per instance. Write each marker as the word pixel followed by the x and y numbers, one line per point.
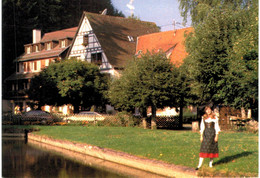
pixel 48 46
pixel 130 38
pixel 28 50
pixel 85 40
pixel 63 44
pixel 36 48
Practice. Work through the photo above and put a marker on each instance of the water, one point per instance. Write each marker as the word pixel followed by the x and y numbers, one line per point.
pixel 34 159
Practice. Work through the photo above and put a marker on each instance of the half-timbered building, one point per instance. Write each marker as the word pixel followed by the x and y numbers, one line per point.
pixel 108 41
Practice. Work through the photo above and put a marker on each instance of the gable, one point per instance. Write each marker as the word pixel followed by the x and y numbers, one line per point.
pixel 113 34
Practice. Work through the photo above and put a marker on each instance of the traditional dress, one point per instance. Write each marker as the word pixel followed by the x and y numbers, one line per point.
pixel 209 127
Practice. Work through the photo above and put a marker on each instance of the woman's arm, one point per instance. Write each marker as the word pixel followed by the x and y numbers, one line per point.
pixel 202 128
pixel 217 129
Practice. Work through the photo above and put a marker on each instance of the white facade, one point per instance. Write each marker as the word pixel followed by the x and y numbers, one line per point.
pixel 86 51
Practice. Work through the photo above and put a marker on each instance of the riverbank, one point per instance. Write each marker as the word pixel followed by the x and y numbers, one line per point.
pixel 153 166
pixel 238 150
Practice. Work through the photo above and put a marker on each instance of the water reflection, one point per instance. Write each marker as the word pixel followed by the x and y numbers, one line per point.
pixel 41 160
pixel 23 160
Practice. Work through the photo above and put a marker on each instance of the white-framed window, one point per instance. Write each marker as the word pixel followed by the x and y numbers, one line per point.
pixel 96 58
pixel 130 38
pixel 63 44
pixel 48 46
pixel 28 50
pixel 47 63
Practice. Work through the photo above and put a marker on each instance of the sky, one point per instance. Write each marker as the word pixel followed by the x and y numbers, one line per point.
pixel 162 12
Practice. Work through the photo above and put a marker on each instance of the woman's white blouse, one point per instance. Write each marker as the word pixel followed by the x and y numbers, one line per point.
pixel 202 125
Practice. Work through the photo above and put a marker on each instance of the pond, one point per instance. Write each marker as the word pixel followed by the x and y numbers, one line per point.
pixel 33 159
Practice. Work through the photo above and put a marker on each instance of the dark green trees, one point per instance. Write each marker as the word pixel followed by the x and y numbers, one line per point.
pixel 69 82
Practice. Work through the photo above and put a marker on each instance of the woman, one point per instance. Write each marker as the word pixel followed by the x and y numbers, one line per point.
pixel 209 130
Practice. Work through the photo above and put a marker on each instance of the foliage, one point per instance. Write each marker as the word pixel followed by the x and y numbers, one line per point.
pixel 241 79
pixel 222 61
pixel 199 10
pixel 43 89
pixel 147 81
pixel 69 82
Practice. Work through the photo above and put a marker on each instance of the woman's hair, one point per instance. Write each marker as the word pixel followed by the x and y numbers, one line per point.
pixel 205 116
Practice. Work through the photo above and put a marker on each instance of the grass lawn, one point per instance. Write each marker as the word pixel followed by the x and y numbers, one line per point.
pixel 238 151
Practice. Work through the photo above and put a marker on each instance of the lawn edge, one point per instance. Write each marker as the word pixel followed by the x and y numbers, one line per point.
pixel 154 166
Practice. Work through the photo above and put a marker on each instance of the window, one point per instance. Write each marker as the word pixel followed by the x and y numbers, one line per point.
pixel 29 66
pixel 42 64
pixel 35 65
pixel 48 46
pixel 36 48
pixel 96 58
pixel 28 50
pixel 24 67
pixel 63 44
pixel 47 62
pixel 130 38
pixel 85 40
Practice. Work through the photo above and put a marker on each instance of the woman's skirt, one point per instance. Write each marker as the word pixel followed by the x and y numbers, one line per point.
pixel 209 148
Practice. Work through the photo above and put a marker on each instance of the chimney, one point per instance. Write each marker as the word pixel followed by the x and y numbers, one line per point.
pixel 36 35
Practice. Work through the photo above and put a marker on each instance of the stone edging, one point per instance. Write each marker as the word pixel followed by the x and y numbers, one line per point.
pixel 13 135
pixel 149 165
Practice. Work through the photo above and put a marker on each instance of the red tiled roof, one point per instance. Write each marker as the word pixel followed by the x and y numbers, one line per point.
pixel 61 34
pixel 171 42
pixel 55 52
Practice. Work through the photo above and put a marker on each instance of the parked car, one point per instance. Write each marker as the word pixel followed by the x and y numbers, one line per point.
pixel 85 116
pixel 37 115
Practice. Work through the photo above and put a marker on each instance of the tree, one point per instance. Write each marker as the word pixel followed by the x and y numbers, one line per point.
pixel 147 81
pixel 200 9
pixel 69 82
pixel 43 90
pixel 241 79
pixel 223 34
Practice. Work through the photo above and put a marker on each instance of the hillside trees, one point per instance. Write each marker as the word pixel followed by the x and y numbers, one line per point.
pixel 69 82
pixel 149 81
pixel 222 60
